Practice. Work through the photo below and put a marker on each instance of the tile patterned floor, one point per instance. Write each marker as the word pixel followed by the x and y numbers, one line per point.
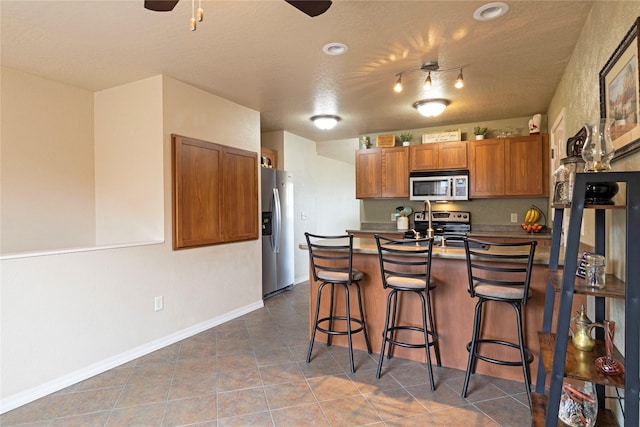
pixel 252 372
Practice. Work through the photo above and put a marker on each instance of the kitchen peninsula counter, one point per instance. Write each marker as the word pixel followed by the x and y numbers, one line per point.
pixel 453 309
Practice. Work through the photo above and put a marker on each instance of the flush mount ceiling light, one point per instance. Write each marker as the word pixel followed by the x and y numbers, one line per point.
pixel 325 121
pixel 429 68
pixel 490 11
pixel 335 49
pixel 431 107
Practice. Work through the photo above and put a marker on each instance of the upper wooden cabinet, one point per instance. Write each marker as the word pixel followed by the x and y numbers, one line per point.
pixel 269 158
pixel 382 173
pixel 215 193
pixel 439 156
pixel 515 166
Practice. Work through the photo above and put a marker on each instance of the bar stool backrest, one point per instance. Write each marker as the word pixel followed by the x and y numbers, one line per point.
pixel 336 266
pixel 505 265
pixel 395 263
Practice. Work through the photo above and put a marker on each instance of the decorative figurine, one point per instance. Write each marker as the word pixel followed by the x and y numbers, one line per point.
pixel 534 124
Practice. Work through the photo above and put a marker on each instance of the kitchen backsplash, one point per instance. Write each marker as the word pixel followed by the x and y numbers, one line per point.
pixel 483 211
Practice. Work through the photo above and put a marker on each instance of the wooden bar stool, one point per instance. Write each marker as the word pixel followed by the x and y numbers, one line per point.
pixel 331 259
pixel 501 275
pixel 402 274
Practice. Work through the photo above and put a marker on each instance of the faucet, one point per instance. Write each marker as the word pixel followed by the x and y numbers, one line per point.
pixel 427 208
pixel 416 234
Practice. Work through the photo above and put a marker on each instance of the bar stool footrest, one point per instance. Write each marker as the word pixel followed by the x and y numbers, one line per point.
pixel 528 354
pixel 431 343
pixel 344 318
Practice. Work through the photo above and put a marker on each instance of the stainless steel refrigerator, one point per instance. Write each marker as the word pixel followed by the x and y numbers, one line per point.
pixel 277 231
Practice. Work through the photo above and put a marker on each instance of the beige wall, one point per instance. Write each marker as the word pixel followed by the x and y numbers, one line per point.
pixel 46 164
pixel 128 159
pixel 68 316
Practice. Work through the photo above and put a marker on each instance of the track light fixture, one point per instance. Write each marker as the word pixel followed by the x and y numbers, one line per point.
pixel 398 86
pixel 325 121
pixel 196 16
pixel 430 67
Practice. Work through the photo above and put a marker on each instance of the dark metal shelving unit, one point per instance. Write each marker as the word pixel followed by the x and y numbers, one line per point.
pixel 545 408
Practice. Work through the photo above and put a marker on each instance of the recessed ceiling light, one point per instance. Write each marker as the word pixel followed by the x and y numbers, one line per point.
pixel 335 49
pixel 490 11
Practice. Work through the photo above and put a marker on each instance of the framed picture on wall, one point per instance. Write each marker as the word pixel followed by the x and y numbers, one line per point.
pixel 620 94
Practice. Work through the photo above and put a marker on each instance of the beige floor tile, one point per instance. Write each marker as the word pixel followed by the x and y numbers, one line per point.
pixel 303 415
pixel 147 415
pixel 422 420
pixel 464 416
pixel 195 367
pixel 166 354
pixel 262 419
pixel 240 379
pixel 182 388
pixel 332 387
pixel 480 388
pixel 443 397
pixel 281 373
pixel 366 381
pixel 85 402
pixel 190 411
pixel 197 350
pixel 394 403
pixel 152 372
pixel 237 361
pixel 97 419
pixel 507 411
pixel 350 411
pixel 111 378
pixel 143 394
pixel 288 394
pixel 241 402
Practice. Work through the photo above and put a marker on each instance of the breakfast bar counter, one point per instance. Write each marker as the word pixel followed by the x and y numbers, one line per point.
pixel 453 310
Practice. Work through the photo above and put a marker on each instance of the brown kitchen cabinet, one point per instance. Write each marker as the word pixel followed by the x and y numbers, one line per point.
pixel 382 173
pixel 214 193
pixel 438 156
pixel 515 166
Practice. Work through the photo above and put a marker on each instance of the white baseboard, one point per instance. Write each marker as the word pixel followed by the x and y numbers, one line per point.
pixel 27 396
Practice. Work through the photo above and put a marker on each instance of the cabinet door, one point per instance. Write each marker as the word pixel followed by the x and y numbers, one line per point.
pixel 240 195
pixel 452 155
pixel 487 168
pixel 525 166
pixel 368 173
pixel 395 172
pixel 424 157
pixel 197 194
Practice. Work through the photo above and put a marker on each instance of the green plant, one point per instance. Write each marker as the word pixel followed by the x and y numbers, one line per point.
pixel 406 136
pixel 479 131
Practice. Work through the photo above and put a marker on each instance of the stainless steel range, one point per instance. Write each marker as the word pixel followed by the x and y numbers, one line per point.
pixel 450 224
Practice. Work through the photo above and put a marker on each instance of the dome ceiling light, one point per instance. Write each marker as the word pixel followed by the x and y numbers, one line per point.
pixel 325 121
pixel 490 11
pixel 431 107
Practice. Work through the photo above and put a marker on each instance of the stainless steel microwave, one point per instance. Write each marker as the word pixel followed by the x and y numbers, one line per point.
pixel 439 185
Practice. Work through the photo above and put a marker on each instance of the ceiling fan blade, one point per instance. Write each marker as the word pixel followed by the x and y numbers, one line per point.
pixel 311 7
pixel 160 5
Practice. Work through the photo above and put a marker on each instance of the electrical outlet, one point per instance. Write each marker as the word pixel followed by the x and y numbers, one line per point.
pixel 304 215
pixel 393 217
pixel 514 217
pixel 159 303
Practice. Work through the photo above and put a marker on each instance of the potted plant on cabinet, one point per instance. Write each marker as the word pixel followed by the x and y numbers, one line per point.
pixel 479 132
pixel 405 138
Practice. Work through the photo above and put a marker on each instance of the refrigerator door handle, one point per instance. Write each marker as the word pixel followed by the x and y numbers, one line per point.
pixel 277 221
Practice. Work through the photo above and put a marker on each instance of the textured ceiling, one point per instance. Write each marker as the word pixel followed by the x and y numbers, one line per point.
pixel 267 55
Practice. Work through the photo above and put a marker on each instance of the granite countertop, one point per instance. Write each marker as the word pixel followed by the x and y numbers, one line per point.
pixel 368 247
pixel 480 231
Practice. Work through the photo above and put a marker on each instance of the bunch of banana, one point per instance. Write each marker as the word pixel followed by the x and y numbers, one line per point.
pixel 533 215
